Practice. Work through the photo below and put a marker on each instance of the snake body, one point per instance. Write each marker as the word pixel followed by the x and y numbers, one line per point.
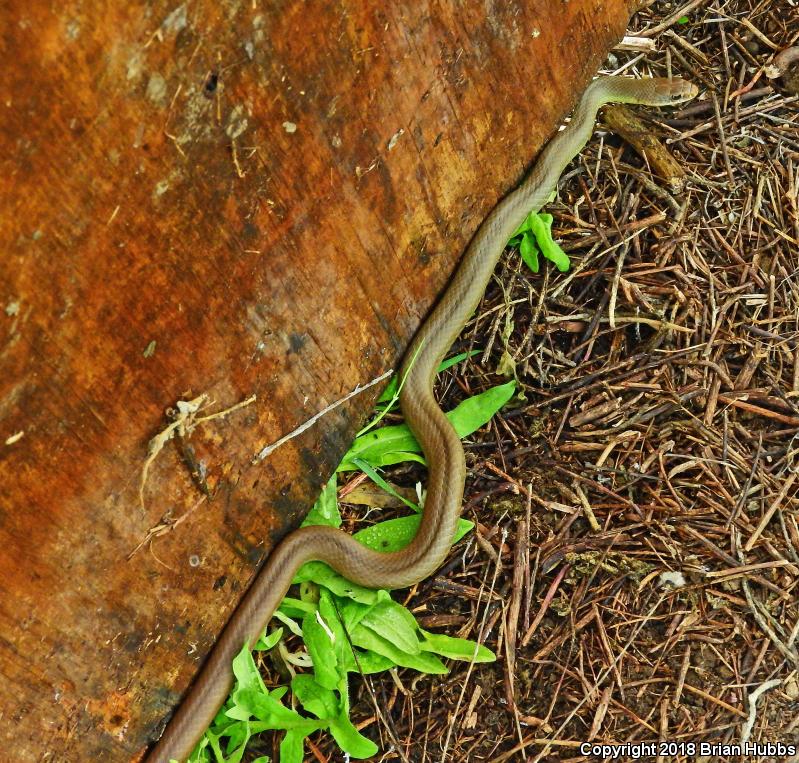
pixel 440 443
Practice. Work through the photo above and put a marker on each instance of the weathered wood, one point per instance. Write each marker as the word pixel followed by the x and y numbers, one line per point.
pixel 625 122
pixel 229 199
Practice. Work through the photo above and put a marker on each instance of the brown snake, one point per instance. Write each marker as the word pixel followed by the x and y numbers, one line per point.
pixel 440 443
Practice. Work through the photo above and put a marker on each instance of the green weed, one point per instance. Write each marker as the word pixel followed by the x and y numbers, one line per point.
pixel 347 628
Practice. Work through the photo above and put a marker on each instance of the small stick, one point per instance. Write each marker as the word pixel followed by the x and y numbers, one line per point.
pixel 770 512
pixel 751 700
pixel 264 452
pixel 624 122
pixel 722 139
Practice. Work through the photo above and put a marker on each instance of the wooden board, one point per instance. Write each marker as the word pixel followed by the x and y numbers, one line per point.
pixel 229 199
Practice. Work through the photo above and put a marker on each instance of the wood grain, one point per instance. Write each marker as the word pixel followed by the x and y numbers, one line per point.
pixel 230 199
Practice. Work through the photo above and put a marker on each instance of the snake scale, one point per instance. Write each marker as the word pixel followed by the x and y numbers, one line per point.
pixel 440 443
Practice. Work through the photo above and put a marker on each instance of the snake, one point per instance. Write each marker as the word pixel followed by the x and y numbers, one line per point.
pixel 440 443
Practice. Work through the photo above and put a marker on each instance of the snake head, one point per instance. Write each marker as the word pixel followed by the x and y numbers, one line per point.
pixel 675 90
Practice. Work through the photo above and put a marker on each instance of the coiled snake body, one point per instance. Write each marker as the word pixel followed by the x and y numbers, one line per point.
pixel 440 443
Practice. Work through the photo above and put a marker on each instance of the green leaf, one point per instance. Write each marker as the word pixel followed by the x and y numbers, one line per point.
pixel 371 662
pixel 315 698
pixel 395 534
pixel 455 648
pixel 534 235
pixel 424 662
pixel 475 411
pixel 318 638
pixel 529 251
pixel 325 510
pixel 390 535
pixel 350 739
pixel 391 391
pixel 541 227
pixel 324 576
pixel 515 239
pixel 395 444
pixel 245 671
pixel 270 713
pixel 291 747
pixel 352 612
pixel 383 447
pixel 445 364
pixel 380 447
pixel 265 643
pixel 683 20
pixel 329 610
pixel 291 609
pixel 393 622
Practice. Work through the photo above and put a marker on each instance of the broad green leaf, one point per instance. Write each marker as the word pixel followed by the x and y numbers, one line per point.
pixel 396 443
pixel 424 662
pixel 341 645
pixel 371 662
pixel 308 726
pixel 395 534
pixel 324 576
pixel 325 510
pixel 455 648
pixel 240 710
pixel 388 458
pixel 245 671
pixel 534 235
pixel 377 447
pixel 541 227
pixel 318 639
pixel 529 251
pixel 350 739
pixel 294 608
pixel 291 747
pixel 352 612
pixel 390 535
pixel 394 623
pixel 473 412
pixel 309 593
pixel 272 714
pixel 314 698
